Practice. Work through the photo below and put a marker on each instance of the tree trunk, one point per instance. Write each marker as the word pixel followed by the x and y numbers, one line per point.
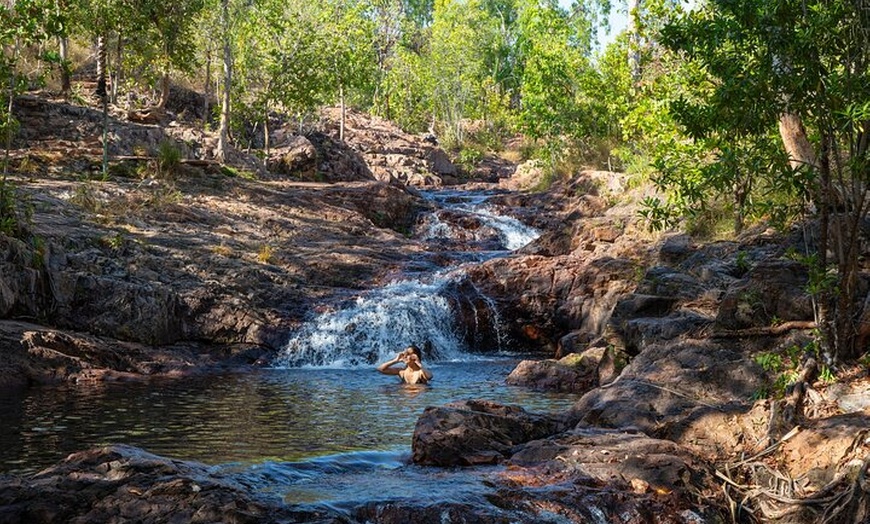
pixel 102 88
pixel 118 69
pixel 228 79
pixel 8 127
pixel 164 90
pixel 634 7
pixel 103 94
pixel 65 82
pixel 824 203
pixel 797 145
pixel 205 108
pixel 341 101
pixel 266 140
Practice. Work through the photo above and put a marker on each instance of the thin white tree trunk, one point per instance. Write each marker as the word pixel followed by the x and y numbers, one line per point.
pixel 341 100
pixel 634 7
pixel 223 136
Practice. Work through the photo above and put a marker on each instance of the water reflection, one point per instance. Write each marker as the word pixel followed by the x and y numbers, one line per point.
pixel 269 416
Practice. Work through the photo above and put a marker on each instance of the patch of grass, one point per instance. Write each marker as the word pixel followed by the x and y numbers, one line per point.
pixel 168 159
pixel 86 197
pixel 266 255
pixel 469 157
pixel 222 250
pixel 233 172
pixel 114 242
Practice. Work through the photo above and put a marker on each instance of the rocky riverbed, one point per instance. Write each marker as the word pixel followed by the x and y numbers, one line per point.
pixel 200 268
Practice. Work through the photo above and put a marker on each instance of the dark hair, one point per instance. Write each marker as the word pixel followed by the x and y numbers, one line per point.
pixel 416 351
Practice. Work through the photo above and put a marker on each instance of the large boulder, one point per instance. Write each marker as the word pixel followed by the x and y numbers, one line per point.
pixel 546 297
pixel 693 392
pixel 774 290
pixel 574 373
pixel 595 475
pixel 471 432
pixel 296 155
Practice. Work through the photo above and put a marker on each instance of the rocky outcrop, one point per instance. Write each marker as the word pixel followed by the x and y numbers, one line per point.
pixel 126 484
pixel 388 153
pixel 585 474
pixel 622 475
pixel 573 373
pixel 472 432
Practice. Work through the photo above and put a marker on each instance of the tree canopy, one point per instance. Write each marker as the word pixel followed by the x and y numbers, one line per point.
pixel 750 109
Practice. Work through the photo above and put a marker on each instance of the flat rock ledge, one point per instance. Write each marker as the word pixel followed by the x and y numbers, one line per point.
pixel 473 432
pixel 552 473
pixel 125 484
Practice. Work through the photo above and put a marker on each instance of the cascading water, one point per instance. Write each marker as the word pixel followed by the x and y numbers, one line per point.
pixel 379 323
pixel 510 232
pixel 376 326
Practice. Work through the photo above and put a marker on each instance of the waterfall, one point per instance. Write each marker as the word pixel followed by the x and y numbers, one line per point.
pixel 378 324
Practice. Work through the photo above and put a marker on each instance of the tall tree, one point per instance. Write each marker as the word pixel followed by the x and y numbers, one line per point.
pixel 223 133
pixel 808 59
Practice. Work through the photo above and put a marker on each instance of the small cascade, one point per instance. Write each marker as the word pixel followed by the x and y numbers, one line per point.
pixel 466 217
pixel 441 313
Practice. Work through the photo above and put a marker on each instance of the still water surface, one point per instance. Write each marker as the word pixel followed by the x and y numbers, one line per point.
pixel 304 434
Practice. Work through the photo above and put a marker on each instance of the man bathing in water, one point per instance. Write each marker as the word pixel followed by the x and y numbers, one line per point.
pixel 413 373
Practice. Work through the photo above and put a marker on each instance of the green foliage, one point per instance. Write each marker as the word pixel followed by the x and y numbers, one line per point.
pixel 469 157
pixel 168 159
pixel 785 368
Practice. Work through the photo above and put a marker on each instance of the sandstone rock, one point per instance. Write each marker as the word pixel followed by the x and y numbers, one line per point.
pixel 823 448
pixel 575 373
pixel 617 457
pixel 126 484
pixel 470 432
pixel 690 392
pixel 774 289
pixel 439 163
pixel 595 475
pixel 559 294
pixel 527 175
pixel 669 282
pixel 296 156
pixel 639 333
pixel 675 249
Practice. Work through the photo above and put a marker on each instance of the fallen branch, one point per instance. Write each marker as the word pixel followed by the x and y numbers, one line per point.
pixel 767 331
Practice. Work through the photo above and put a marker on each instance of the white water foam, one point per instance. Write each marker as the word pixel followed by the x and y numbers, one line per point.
pixel 514 234
pixel 377 326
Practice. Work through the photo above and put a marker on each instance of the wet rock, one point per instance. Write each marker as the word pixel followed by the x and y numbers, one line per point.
pixel 558 295
pixel 417 510
pixel 126 484
pixel 470 432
